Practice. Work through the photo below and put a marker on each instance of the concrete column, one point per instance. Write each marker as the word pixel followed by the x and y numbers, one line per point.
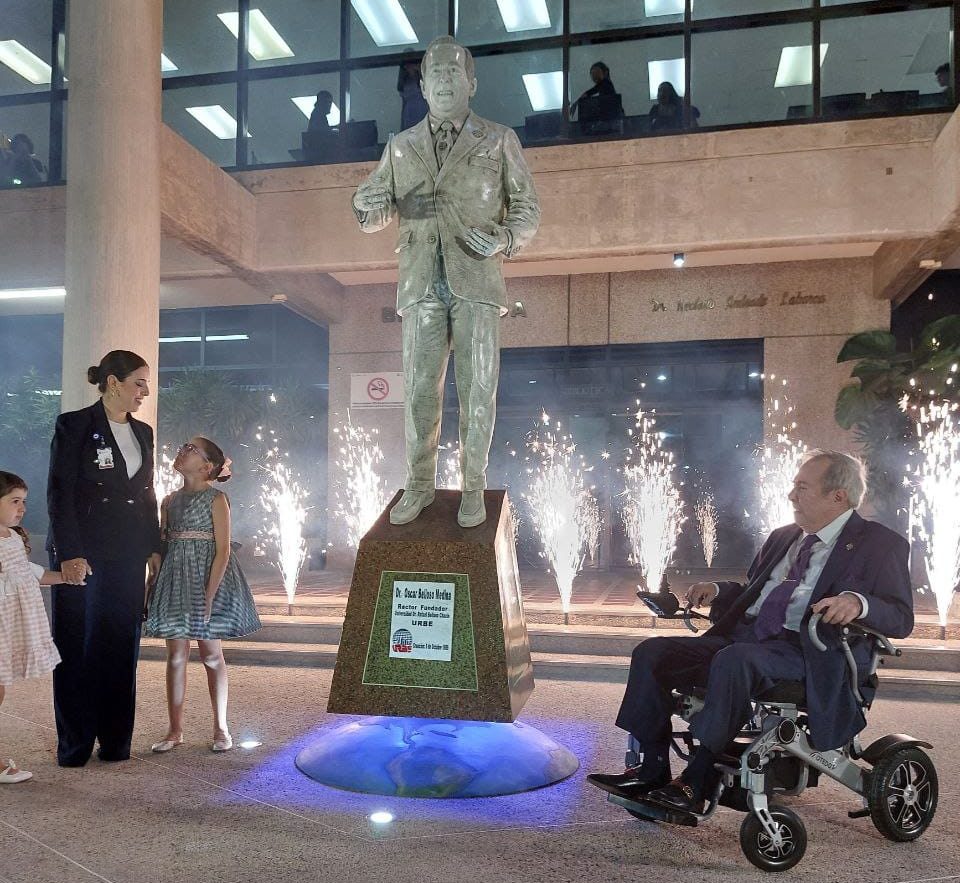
pixel 113 190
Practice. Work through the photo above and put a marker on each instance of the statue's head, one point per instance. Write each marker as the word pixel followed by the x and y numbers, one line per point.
pixel 447 78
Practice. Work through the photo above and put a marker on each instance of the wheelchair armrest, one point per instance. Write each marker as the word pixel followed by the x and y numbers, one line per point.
pixel 881 647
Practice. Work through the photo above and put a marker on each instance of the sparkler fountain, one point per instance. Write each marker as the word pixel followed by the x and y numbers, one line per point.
pixel 361 495
pixel 166 479
pixel 935 503
pixel 652 509
pixel 780 459
pixel 706 512
pixel 283 501
pixel 563 510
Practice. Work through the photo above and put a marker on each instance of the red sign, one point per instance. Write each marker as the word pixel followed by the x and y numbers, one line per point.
pixel 378 389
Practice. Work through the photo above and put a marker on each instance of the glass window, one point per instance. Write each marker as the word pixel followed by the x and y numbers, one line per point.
pixel 238 336
pixel 24 144
pixel 206 116
pixel 636 69
pixel 373 112
pixel 511 88
pixel 886 63
pixel 752 75
pixel 720 8
pixel 292 32
pixel 25 33
pixel 180 338
pixel 501 21
pixel 378 27
pixel 279 119
pixel 196 40
pixel 600 15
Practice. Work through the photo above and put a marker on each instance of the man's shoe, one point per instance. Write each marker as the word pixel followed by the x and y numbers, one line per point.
pixel 411 504
pixel 632 781
pixel 472 511
pixel 678 795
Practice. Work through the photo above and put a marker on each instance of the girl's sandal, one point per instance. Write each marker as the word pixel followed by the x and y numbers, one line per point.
pixel 12 774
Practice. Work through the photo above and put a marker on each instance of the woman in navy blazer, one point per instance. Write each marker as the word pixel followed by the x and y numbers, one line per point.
pixel 104 529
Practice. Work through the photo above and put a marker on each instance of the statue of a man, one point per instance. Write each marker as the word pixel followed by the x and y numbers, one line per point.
pixel 465 200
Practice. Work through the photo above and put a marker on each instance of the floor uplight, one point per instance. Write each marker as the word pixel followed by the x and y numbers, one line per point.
pixel 381 817
pixel 250 743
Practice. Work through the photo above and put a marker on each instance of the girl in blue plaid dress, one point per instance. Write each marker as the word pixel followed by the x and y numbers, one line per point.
pixel 200 593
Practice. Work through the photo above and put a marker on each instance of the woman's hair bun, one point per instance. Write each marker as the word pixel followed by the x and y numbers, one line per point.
pixel 93 374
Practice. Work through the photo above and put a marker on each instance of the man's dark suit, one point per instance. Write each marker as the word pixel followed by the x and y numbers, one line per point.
pixel 867 558
pixel 110 520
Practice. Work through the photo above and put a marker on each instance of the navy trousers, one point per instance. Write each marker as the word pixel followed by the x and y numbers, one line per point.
pixel 732 668
pixel 97 630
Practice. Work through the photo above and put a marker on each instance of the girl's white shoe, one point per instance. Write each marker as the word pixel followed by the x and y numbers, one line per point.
pixel 222 743
pixel 165 745
pixel 12 774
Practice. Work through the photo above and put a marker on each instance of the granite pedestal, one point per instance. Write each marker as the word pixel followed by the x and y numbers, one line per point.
pixel 435 650
pixel 434 626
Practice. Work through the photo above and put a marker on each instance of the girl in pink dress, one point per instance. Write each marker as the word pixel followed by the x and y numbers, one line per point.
pixel 26 648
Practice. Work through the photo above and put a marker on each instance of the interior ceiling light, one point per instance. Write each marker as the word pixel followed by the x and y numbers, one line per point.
pixel 545 91
pixel 166 65
pixel 18 293
pixel 216 119
pixel 795 68
pixel 197 338
pixel 306 103
pixel 667 70
pixel 385 21
pixel 653 8
pixel 22 61
pixel 263 41
pixel 524 15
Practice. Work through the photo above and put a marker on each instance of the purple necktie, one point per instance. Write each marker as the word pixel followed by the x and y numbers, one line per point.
pixel 773 611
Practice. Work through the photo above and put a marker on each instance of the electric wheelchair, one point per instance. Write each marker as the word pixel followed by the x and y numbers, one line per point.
pixel 772 757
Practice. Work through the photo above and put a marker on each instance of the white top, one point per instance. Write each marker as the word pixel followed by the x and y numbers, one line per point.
pixel 818 559
pixel 129 446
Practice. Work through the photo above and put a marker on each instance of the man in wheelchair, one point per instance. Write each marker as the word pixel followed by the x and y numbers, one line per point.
pixel 831 562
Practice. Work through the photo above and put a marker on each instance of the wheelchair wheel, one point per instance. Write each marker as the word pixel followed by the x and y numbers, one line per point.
pixel 903 794
pixel 760 850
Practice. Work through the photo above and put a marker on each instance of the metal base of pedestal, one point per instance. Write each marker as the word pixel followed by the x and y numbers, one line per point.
pixel 414 757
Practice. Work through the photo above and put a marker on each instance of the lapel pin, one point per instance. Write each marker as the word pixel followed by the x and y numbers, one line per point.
pixel 849 547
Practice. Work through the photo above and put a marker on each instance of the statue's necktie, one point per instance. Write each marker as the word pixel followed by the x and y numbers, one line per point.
pixel 444 141
pixel 773 611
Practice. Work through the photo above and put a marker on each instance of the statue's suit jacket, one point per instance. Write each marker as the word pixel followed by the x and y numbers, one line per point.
pixel 484 183
pixel 867 558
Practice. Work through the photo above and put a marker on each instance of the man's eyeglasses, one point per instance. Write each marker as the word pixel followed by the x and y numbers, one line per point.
pixel 191 448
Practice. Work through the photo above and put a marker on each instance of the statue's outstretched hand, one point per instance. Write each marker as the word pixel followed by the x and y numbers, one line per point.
pixel 486 244
pixel 372 197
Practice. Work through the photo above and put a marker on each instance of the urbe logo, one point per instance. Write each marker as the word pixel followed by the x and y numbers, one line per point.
pixel 402 641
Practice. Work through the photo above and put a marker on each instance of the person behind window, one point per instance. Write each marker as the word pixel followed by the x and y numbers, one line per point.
pixel 322 107
pixel 602 84
pixel 944 80
pixel 667 114
pixel 414 107
pixel 18 164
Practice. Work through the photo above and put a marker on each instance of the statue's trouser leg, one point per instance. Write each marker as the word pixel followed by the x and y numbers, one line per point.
pixel 476 346
pixel 426 349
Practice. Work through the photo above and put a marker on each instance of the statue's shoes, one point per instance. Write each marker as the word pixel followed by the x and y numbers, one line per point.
pixel 411 504
pixel 472 511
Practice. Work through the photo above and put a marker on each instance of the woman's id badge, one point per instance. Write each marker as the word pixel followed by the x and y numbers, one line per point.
pixel 105 458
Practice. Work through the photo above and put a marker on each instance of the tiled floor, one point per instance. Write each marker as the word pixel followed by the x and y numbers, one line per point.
pixel 250 816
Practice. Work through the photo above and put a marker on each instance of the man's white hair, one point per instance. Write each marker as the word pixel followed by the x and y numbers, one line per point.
pixel 844 472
